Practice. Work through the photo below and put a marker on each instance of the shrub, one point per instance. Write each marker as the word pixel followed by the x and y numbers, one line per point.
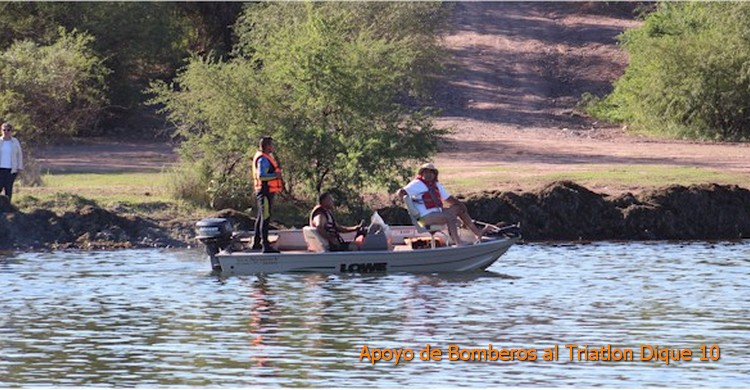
pixel 189 182
pixel 51 91
pixel 689 73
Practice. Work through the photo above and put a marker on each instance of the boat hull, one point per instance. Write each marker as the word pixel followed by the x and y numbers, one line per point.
pixel 446 259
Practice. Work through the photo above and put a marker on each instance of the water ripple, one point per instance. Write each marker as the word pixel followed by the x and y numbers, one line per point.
pixel 158 318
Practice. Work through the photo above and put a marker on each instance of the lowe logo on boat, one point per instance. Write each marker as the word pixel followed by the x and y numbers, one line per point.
pixel 363 268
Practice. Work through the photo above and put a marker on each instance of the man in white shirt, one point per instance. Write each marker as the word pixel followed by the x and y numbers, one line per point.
pixel 11 159
pixel 435 205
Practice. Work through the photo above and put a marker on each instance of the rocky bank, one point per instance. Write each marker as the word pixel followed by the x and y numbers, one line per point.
pixel 87 227
pixel 560 211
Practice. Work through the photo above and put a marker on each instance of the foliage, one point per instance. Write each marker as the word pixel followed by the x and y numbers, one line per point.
pixel 53 90
pixel 689 73
pixel 139 41
pixel 188 182
pixel 230 192
pixel 327 87
pixel 31 175
pixel 413 25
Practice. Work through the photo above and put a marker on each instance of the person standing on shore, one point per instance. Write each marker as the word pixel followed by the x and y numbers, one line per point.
pixel 268 183
pixel 11 160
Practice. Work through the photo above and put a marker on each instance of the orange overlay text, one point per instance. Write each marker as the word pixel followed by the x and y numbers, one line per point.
pixel 557 352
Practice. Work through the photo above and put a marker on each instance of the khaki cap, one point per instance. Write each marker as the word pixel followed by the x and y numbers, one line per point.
pixel 429 166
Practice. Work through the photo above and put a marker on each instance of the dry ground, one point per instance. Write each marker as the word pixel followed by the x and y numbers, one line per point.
pixel 517 72
pixel 520 69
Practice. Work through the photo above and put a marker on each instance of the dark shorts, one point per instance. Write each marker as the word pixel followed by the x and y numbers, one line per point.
pixel 341 247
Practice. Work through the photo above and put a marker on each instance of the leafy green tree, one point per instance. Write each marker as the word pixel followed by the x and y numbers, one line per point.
pixel 208 25
pixel 139 41
pixel 329 88
pixel 49 91
pixel 688 74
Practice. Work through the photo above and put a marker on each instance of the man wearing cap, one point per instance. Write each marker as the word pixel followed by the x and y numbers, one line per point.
pixel 435 205
pixel 267 181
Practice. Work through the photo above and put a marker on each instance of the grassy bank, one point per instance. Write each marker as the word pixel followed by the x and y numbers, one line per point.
pixel 104 187
pixel 136 193
pixel 135 211
pixel 607 178
pixel 146 194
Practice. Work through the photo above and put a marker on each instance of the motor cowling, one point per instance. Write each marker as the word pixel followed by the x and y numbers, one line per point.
pixel 215 234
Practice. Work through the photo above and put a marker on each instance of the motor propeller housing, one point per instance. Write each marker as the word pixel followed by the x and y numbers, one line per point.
pixel 215 234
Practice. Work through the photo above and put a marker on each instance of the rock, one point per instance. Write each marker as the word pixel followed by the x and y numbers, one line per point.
pixel 624 201
pixel 708 211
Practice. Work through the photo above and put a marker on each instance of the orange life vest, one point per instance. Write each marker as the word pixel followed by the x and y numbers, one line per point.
pixel 431 198
pixel 274 185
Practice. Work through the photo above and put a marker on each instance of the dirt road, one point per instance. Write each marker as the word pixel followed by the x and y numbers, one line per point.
pixel 106 155
pixel 517 72
pixel 520 69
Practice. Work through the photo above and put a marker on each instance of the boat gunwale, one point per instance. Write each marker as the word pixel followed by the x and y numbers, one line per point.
pixel 488 243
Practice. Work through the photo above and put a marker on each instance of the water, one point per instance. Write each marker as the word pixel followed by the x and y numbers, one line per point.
pixel 158 318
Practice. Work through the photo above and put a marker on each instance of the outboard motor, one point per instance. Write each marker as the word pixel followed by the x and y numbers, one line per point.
pixel 216 235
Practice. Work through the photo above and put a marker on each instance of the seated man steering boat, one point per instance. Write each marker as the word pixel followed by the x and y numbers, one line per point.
pixel 430 196
pixel 322 219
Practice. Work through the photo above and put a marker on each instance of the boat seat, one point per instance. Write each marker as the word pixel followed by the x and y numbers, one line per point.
pixel 315 242
pixel 421 228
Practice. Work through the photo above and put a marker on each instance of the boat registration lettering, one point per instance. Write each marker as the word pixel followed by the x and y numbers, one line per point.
pixel 363 268
pixel 256 260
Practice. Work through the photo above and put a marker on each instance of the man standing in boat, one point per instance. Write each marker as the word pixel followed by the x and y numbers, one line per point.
pixel 430 197
pixel 267 181
pixel 322 219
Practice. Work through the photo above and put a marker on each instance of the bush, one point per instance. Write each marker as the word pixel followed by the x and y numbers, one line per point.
pixel 138 40
pixel 31 175
pixel 189 182
pixel 51 91
pixel 689 73
pixel 231 192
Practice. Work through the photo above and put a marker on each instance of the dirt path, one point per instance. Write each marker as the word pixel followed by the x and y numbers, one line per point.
pixel 520 69
pixel 106 156
pixel 517 72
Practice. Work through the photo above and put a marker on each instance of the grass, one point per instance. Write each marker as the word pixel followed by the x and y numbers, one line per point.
pixel 104 187
pixel 139 193
pixel 649 175
pixel 146 193
pixel 615 177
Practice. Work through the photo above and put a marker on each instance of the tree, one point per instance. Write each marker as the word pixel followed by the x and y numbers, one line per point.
pixel 688 74
pixel 52 90
pixel 327 87
pixel 139 41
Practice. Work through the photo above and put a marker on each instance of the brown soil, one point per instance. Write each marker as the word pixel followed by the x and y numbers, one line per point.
pixel 104 155
pixel 518 71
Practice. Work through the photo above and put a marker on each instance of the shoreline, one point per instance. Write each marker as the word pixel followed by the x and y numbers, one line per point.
pixel 562 211
pixel 566 211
